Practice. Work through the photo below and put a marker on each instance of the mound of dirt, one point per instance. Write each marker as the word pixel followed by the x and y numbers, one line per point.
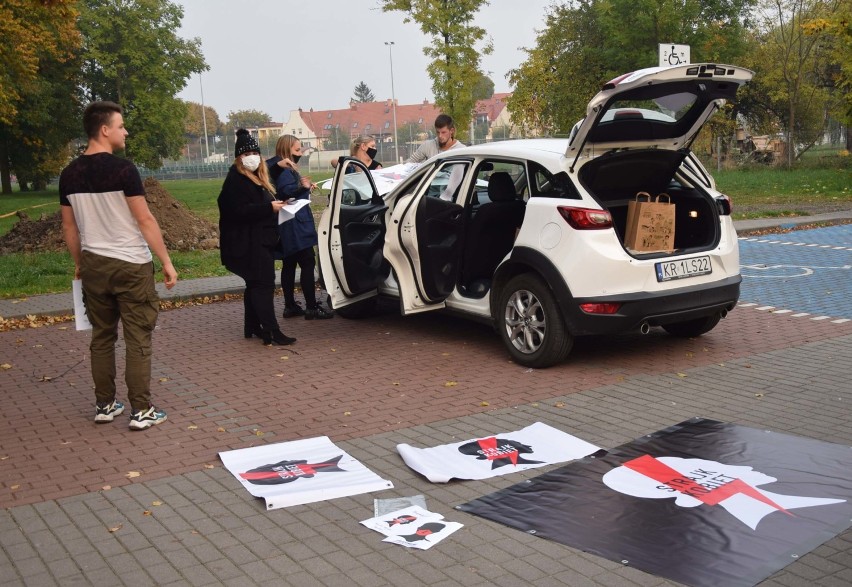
pixel 182 230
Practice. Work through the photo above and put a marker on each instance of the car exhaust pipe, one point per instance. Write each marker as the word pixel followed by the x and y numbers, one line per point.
pixel 724 313
pixel 645 328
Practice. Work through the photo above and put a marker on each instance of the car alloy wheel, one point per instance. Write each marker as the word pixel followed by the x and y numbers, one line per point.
pixel 525 321
pixel 532 326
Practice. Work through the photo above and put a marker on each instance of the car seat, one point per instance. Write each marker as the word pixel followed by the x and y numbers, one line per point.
pixel 491 233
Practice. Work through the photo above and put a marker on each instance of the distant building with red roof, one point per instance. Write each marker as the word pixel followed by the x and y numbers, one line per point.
pixel 315 127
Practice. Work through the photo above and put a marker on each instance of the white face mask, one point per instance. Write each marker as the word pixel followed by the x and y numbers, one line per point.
pixel 251 162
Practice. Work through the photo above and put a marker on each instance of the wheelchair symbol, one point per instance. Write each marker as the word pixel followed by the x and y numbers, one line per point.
pixel 674 58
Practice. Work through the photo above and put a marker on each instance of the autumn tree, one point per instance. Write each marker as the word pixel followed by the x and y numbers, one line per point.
pixel 836 33
pixel 363 93
pixel 133 56
pixel 197 120
pixel 455 50
pixel 38 84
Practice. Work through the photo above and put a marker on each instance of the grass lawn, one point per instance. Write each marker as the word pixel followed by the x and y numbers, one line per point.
pixel 31 274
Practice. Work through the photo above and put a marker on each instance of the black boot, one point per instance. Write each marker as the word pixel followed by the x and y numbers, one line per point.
pixel 249 331
pixel 293 310
pixel 276 337
pixel 318 313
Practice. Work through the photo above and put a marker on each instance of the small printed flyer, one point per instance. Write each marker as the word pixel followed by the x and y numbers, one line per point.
pixel 413 527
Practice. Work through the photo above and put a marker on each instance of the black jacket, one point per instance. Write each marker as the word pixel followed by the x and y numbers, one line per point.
pixel 247 227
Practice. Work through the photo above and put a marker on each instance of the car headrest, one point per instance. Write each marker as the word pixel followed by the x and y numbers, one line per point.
pixel 500 187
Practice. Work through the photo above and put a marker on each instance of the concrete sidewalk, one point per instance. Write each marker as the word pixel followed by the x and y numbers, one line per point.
pixel 61 303
pixel 87 504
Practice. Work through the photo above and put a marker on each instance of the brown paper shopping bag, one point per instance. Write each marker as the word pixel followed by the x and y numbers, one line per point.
pixel 650 224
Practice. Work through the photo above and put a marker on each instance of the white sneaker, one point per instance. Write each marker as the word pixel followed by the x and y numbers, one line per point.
pixel 107 412
pixel 146 418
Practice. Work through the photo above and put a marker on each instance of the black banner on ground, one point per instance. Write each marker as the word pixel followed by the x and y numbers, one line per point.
pixel 704 503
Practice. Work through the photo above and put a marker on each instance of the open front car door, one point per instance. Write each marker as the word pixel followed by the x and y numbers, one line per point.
pixel 424 241
pixel 352 235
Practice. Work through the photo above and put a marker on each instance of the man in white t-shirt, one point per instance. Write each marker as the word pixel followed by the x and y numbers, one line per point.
pixel 445 139
pixel 111 233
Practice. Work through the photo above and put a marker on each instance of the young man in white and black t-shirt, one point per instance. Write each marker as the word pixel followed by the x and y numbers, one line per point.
pixel 109 228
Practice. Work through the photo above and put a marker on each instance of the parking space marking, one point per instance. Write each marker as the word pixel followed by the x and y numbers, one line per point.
pixel 784 312
pixel 752 239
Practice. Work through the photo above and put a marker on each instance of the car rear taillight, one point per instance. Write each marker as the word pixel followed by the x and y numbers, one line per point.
pixel 723 205
pixel 586 218
pixel 607 308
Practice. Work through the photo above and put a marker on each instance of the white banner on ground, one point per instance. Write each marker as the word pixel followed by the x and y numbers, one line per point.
pixel 301 471
pixel 535 446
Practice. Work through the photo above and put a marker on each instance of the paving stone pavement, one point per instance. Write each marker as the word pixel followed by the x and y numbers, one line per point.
pixel 72 516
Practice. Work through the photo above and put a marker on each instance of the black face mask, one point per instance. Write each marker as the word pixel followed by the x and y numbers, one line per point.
pixel 295 158
pixel 371 153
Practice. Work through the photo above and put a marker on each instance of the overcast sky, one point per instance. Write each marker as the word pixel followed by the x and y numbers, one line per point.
pixel 280 55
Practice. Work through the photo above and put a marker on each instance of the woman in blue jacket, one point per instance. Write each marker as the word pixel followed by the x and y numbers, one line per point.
pixel 298 235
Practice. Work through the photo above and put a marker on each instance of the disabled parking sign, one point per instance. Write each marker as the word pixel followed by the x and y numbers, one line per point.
pixel 671 54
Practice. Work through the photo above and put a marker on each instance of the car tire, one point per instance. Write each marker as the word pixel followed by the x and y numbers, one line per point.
pixel 693 328
pixel 358 310
pixel 530 323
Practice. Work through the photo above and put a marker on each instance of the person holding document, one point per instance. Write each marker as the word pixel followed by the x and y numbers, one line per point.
pixel 298 235
pixel 110 233
pixel 248 239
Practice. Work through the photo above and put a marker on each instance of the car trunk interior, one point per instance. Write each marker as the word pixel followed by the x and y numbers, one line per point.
pixel 614 180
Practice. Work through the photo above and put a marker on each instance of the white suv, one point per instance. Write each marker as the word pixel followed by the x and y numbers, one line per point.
pixel 528 235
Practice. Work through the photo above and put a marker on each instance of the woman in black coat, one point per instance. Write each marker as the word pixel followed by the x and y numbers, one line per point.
pixel 248 237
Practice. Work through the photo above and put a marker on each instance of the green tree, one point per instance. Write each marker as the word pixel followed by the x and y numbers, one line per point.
pixel 789 92
pixel 45 125
pixel 454 69
pixel 336 140
pixel 38 99
pixel 363 93
pixel 586 43
pixel 247 119
pixel 483 88
pixel 410 132
pixel 836 31
pixel 133 56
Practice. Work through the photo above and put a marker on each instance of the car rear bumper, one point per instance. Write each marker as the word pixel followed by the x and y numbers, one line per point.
pixel 655 309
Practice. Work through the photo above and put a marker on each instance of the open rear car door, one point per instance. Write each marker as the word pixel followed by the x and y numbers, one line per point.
pixel 352 235
pixel 424 241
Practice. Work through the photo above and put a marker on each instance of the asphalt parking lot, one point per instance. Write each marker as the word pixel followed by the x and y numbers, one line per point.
pixel 86 504
pixel 801 271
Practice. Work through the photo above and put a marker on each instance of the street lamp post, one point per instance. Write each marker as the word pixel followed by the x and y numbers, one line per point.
pixel 393 98
pixel 204 118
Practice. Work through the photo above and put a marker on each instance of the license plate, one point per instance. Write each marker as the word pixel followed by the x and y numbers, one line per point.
pixel 669 270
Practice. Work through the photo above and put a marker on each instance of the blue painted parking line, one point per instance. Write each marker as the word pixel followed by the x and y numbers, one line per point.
pixel 803 273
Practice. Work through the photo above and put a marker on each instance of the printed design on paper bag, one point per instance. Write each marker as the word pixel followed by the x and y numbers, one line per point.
pixel 500 451
pixel 289 471
pixel 695 482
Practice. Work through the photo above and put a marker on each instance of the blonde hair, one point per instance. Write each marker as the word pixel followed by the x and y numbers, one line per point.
pixel 358 141
pixel 284 146
pixel 259 177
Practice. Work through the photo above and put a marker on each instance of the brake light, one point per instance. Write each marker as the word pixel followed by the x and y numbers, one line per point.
pixel 606 308
pixel 723 205
pixel 586 218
